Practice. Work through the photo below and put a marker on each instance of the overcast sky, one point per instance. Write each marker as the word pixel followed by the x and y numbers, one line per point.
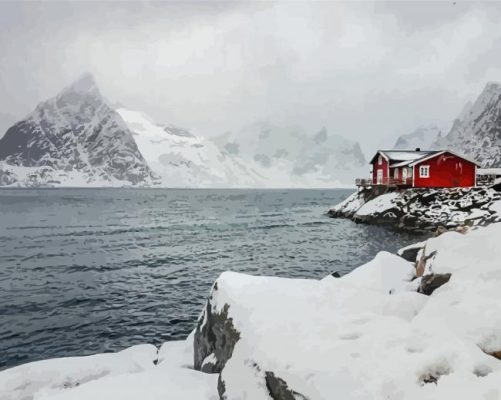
pixel 366 70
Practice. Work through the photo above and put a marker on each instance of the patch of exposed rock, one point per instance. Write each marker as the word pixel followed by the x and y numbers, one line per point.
pixel 215 338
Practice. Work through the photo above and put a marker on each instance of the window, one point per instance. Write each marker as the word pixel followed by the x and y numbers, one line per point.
pixel 424 171
pixel 380 160
pixel 395 173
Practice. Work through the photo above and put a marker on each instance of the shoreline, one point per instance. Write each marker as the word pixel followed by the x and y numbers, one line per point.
pixel 422 210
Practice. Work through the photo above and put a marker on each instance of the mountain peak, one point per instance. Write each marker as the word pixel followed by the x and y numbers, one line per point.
pixel 85 84
pixel 491 88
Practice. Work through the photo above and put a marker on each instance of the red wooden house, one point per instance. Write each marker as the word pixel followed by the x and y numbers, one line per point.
pixel 420 169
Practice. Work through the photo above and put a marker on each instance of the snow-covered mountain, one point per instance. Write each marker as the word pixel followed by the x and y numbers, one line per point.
pixel 73 139
pixel 292 157
pixel 423 138
pixel 181 159
pixel 477 130
pixel 78 139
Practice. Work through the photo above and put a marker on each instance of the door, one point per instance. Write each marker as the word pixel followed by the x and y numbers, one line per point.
pixel 379 180
pixel 404 176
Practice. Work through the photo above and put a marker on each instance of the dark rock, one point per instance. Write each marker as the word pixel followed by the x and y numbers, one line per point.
pixel 431 282
pixel 279 390
pixel 336 274
pixel 216 336
pixel 221 387
pixel 496 354
pixel 410 253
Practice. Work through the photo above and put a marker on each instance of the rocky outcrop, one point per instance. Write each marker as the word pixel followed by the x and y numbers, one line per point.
pixel 431 282
pixel 421 210
pixel 279 390
pixel 215 337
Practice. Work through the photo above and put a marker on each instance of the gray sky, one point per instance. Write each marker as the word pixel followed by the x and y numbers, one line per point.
pixel 365 70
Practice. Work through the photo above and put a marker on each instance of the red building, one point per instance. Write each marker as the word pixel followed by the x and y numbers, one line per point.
pixel 419 169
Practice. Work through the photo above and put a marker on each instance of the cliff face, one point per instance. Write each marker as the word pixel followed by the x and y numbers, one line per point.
pixel 477 130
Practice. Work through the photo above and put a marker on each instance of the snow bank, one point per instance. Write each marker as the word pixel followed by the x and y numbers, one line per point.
pixel 369 334
pixel 137 372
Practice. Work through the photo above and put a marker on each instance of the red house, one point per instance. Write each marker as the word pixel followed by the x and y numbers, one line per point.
pixel 419 169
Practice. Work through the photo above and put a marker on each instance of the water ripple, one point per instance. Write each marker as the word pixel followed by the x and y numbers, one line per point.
pixel 85 271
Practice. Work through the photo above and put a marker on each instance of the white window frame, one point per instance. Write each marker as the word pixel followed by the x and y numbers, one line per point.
pixel 424 171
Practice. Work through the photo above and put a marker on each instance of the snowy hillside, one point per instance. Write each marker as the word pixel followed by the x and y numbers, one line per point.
pixel 477 130
pixel 422 138
pixel 296 156
pixel 73 139
pixel 181 159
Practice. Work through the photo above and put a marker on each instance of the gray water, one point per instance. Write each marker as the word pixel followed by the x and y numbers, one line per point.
pixel 96 270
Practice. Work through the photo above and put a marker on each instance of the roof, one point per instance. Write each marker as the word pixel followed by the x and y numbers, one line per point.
pixel 402 155
pixel 402 158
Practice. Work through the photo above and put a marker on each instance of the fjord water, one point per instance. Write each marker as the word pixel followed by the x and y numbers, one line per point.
pixel 95 270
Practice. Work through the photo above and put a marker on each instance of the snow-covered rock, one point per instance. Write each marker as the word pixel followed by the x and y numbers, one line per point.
pixel 422 209
pixel 368 334
pixel 423 138
pixel 476 132
pixel 73 139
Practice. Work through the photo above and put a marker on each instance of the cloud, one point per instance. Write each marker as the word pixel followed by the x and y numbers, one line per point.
pixel 368 71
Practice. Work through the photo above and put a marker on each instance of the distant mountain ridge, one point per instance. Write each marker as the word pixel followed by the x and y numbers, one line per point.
pixel 423 138
pixel 78 139
pixel 73 139
pixel 291 153
pixel 477 130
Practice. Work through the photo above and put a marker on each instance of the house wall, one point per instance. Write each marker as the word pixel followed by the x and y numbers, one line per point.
pixel 400 180
pixel 383 166
pixel 446 170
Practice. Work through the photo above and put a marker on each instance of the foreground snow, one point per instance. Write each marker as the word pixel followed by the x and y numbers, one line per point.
pixel 366 335
pixel 137 372
pixel 369 334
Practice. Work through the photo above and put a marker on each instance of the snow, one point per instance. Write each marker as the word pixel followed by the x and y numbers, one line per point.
pixel 350 205
pixel 369 335
pixel 405 155
pixel 129 374
pixel 378 204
